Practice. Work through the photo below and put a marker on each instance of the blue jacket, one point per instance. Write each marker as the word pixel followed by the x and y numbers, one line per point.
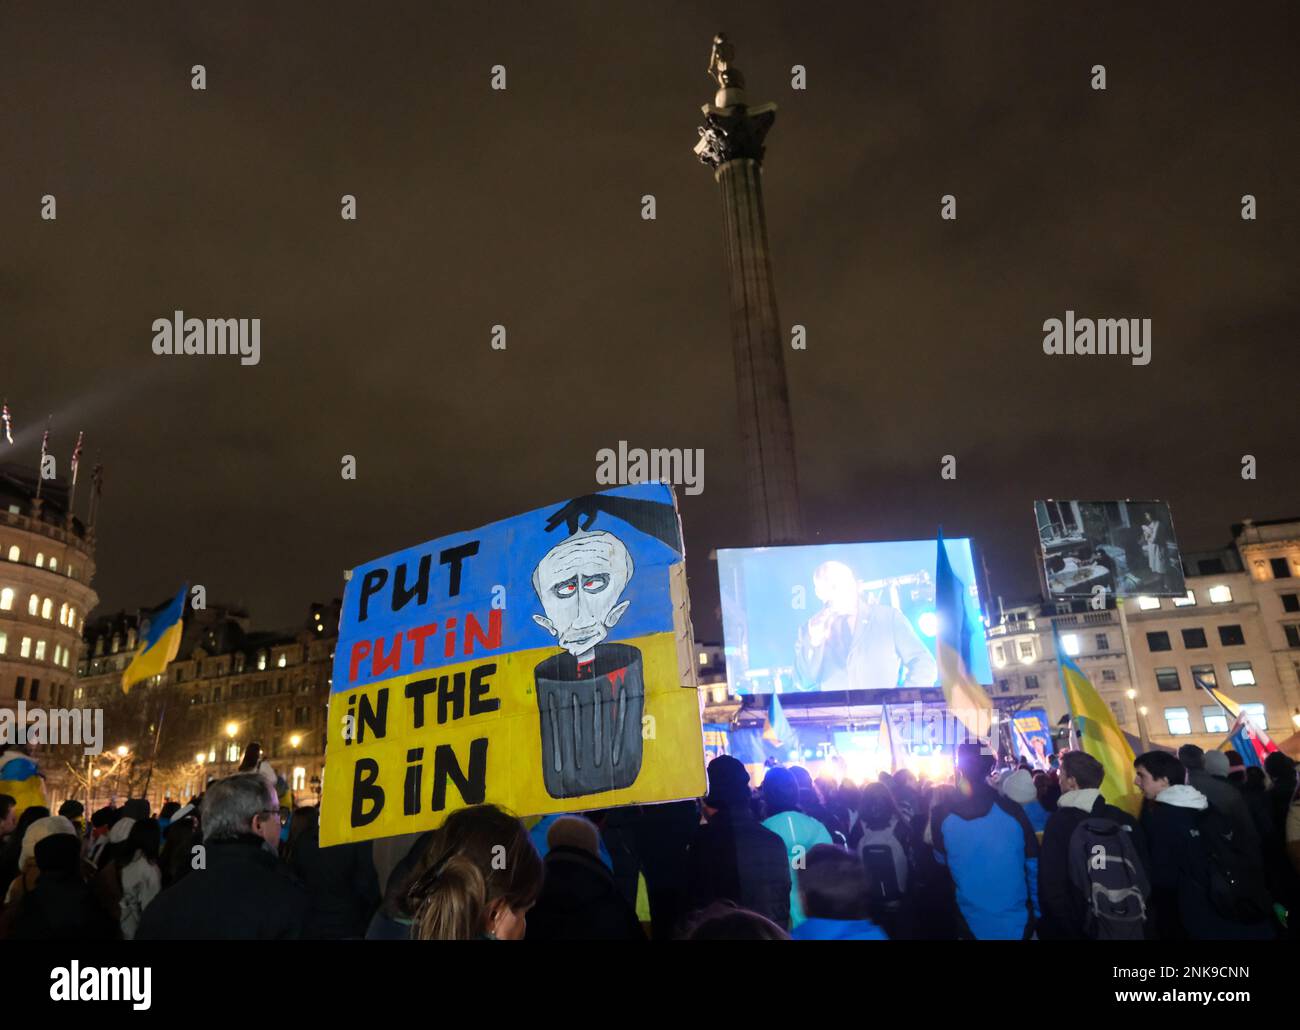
pixel 797 830
pixel 838 930
pixel 992 853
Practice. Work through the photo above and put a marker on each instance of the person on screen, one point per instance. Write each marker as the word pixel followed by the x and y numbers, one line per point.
pixel 1152 544
pixel 853 645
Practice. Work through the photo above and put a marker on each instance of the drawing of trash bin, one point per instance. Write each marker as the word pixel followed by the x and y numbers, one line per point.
pixel 591 720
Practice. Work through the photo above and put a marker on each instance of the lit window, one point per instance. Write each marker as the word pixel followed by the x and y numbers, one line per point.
pixel 4 643
pixel 1241 674
pixel 58 654
pixel 54 564
pixel 25 648
pixel 40 650
pixel 232 752
pixel 33 603
pixel 117 643
pixel 1257 714
pixel 40 559
pixel 1178 721
pixel 47 609
pixel 63 614
pixel 282 662
pixel 1146 604
pixel 704 658
pixel 1026 651
pixel 261 660
pixel 7 599
pixel 15 554
pixel 1185 600
pixel 1220 594
pixel 1071 644
pixel 299 777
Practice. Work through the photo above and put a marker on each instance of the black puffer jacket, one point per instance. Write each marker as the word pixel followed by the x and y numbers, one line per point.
pixel 736 859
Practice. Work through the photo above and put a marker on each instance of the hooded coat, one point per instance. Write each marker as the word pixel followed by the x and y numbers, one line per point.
pixel 1180 871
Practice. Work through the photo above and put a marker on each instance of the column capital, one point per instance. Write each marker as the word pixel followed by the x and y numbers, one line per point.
pixel 729 133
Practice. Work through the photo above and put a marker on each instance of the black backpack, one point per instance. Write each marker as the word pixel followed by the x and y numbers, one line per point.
pixel 1235 878
pixel 1106 870
pixel 882 852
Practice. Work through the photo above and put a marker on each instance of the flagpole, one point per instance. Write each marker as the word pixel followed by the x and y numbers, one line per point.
pixel 1132 671
pixel 40 469
pixel 1065 689
pixel 76 463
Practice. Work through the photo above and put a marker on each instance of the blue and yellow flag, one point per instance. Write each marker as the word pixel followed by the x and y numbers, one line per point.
pixel 160 639
pixel 776 727
pixel 966 699
pixel 1099 734
pixel 1230 706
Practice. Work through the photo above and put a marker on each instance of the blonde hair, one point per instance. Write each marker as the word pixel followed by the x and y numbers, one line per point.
pixel 481 855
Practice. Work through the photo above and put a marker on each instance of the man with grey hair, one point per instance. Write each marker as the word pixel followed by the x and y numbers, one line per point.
pixel 237 888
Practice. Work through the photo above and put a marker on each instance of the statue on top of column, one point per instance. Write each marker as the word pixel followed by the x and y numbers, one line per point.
pixel 721 69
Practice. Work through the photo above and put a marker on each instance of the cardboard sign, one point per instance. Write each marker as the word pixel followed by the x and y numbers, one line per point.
pixel 544 663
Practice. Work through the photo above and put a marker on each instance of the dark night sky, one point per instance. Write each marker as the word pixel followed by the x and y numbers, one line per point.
pixel 479 207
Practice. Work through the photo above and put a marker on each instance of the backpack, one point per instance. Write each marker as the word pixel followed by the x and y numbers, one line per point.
pixel 1105 869
pixel 1235 879
pixel 885 862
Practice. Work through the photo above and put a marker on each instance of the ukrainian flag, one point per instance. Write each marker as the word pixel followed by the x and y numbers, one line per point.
pixel 776 727
pixel 1099 734
pixel 158 644
pixel 1220 698
pixel 966 699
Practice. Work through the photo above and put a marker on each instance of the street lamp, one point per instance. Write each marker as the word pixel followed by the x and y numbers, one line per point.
pixel 200 757
pixel 231 729
pixel 1142 728
pixel 122 751
pixel 296 740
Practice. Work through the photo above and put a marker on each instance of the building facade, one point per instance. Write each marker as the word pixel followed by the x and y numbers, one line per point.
pixel 47 563
pixel 227 687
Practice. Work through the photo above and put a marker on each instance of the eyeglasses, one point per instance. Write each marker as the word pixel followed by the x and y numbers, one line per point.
pixel 269 812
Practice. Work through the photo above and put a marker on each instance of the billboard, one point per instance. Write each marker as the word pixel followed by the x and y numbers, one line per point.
pixel 543 663
pixel 1108 549
pixel 841 616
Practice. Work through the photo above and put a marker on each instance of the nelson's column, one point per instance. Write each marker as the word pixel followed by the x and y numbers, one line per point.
pixel 731 143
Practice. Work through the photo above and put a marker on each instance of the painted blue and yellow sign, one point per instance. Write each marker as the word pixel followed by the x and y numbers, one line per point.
pixel 542 663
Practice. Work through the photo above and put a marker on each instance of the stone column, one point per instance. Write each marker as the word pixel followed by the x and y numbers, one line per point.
pixel 731 142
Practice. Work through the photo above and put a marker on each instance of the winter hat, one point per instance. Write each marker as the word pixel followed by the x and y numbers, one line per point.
pixel 1019 787
pixel 728 783
pixel 573 831
pixel 38 831
pixel 121 830
pixel 1217 764
pixel 58 853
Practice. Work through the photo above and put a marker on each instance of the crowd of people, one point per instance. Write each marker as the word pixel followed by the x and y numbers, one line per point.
pixel 998 853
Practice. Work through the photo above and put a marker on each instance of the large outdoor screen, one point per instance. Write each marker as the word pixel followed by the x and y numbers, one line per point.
pixel 1107 549
pixel 841 616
